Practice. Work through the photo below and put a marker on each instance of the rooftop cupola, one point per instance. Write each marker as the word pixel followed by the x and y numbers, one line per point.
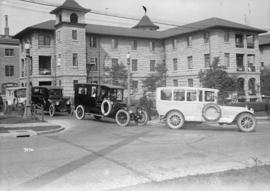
pixel 70 12
pixel 145 23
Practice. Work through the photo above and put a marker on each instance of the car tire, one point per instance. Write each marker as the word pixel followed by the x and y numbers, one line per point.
pixel 122 118
pixel 51 110
pixel 175 120
pixel 80 112
pixel 246 122
pixel 211 109
pixel 106 111
pixel 143 118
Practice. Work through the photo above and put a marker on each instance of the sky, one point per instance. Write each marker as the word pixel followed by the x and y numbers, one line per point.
pixel 255 13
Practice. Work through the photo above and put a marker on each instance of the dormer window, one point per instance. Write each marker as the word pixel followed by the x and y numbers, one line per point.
pixel 73 18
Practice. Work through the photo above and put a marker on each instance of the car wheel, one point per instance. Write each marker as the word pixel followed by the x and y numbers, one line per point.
pixel 51 110
pixel 143 118
pixel 246 122
pixel 97 117
pixel 211 112
pixel 175 120
pixel 80 113
pixel 122 118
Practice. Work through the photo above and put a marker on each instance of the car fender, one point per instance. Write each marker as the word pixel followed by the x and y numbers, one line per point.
pixel 165 116
pixel 234 120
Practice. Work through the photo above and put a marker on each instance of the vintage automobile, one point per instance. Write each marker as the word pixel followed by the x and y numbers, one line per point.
pixel 16 96
pixel 51 99
pixel 2 104
pixel 106 101
pixel 179 104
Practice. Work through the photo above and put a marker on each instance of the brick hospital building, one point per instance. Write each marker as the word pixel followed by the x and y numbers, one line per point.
pixel 63 48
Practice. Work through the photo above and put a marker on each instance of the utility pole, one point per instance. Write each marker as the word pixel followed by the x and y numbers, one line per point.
pixel 128 64
pixel 27 110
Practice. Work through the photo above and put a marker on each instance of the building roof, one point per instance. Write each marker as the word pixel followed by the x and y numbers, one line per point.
pixel 70 5
pixel 8 40
pixel 145 22
pixel 264 39
pixel 132 32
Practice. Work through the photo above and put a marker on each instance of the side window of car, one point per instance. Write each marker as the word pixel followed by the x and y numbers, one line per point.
pixel 209 96
pixel 36 91
pixel 166 95
pixel 82 91
pixel 191 95
pixel 179 95
pixel 94 91
pixel 200 95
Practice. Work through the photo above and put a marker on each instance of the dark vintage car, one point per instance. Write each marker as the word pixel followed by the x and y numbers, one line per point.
pixel 1 104
pixel 51 99
pixel 106 101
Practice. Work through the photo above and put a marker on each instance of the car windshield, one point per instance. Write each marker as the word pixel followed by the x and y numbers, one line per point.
pixel 116 94
pixel 21 93
pixel 55 93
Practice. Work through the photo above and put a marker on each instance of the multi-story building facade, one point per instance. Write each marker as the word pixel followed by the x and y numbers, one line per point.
pixel 64 48
pixel 9 60
pixel 265 63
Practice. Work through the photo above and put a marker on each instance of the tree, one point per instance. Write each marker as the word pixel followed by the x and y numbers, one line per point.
pixel 156 79
pixel 216 77
pixel 117 74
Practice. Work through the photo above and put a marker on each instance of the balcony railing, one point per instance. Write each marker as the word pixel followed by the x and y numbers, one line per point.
pixel 44 71
pixel 239 44
pixel 251 69
pixel 240 68
pixel 250 45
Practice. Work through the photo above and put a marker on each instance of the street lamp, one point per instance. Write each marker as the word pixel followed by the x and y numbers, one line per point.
pixel 128 64
pixel 27 110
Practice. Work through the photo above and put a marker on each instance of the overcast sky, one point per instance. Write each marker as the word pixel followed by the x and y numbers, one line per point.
pixel 252 12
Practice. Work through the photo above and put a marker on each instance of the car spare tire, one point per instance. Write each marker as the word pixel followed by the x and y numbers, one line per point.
pixel 106 107
pixel 211 112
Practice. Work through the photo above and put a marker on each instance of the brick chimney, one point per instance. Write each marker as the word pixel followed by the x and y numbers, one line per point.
pixel 6 30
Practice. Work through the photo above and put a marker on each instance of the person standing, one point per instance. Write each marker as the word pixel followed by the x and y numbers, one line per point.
pixel 146 103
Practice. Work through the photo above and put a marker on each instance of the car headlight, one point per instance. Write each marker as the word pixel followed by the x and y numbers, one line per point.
pixel 57 103
pixel 68 102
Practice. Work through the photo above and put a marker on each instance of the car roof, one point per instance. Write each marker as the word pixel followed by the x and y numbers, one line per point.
pixel 104 85
pixel 189 88
pixel 49 87
pixel 15 88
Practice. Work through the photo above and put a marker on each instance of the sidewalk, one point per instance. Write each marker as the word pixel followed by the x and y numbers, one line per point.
pixel 28 129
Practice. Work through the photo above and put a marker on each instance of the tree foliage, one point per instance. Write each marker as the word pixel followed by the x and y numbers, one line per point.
pixel 156 79
pixel 217 77
pixel 116 75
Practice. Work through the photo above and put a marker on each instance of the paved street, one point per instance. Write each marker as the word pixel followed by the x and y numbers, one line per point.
pixel 94 155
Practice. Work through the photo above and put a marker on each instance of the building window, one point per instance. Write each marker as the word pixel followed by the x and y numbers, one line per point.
pixel 134 84
pixel 114 43
pixel 60 83
pixel 152 45
pixel 59 60
pixel 75 59
pixel 44 40
pixel 175 64
pixel 174 42
pixel 226 36
pixel 189 41
pixel 74 18
pixel 175 83
pixel 262 66
pixel 134 65
pixel 190 62
pixel 134 45
pixel 74 82
pixel 92 66
pixel 152 65
pixel 251 62
pixel 239 43
pixel 190 82
pixel 206 37
pixel 114 62
pixel 9 52
pixel 22 67
pixel 74 34
pixel 93 42
pixel 207 60
pixel 240 62
pixel 44 65
pixel 9 70
pixel 227 59
pixel 250 41
pixel 58 37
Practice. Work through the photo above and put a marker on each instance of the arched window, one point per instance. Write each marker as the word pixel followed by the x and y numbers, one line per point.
pixel 73 18
pixel 240 86
pixel 251 86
